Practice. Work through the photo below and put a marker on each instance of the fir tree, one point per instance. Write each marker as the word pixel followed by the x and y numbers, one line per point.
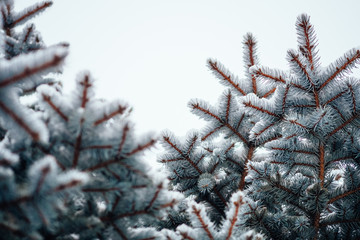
pixel 278 158
pixel 288 140
pixel 71 165
pixel 308 185
pixel 212 165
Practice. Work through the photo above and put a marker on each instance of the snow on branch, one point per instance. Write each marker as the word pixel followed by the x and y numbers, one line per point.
pixel 28 39
pixel 307 40
pixel 227 78
pixel 340 67
pixel 30 12
pixel 21 71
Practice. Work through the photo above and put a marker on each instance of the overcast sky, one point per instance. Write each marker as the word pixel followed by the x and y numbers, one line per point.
pixel 152 53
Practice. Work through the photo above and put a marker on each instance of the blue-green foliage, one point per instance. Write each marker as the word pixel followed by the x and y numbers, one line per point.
pixel 211 166
pixel 293 140
pixel 312 171
pixel 278 159
pixel 70 165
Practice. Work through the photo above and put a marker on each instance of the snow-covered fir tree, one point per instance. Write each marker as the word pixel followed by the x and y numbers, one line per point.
pixel 278 159
pixel 308 185
pixel 70 165
pixel 287 141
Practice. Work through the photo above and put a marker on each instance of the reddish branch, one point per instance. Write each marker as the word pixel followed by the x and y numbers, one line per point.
pixel 211 132
pixel 295 58
pixel 98 147
pixel 335 97
pixel 207 112
pixel 250 44
pixel 214 66
pixel 201 158
pixel 240 121
pixel 299 124
pixel 31 71
pixel 342 125
pixel 193 141
pixel 29 198
pixel 269 93
pixel 316 224
pixel 30 13
pixel 342 68
pixel 265 128
pixel 45 171
pixel 47 99
pixel 159 188
pixel 172 160
pixel 120 110
pixel 259 72
pixel 338 111
pixel 34 135
pixel 183 177
pixel 299 86
pixel 234 162
pixel 77 149
pixel 229 148
pixel 167 139
pixel 118 160
pixel 102 165
pixel 304 106
pixel 284 188
pixel 228 98
pixel 118 230
pixel 307 27
pixel 28 32
pixel 202 222
pixel 86 85
pixel 321 117
pixel 321 163
pixel 60 164
pixel 245 172
pixel 169 204
pixel 41 214
pixel 284 98
pixel 220 195
pixel 116 202
pixel 6 162
pixel 186 236
pixel 260 109
pixel 140 148
pixel 214 167
pixel 135 213
pixel 70 184
pixel 345 194
pixel 237 205
pixel 253 81
pixel 123 138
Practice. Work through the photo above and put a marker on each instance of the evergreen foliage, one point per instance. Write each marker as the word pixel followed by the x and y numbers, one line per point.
pixel 287 140
pixel 278 159
pixel 70 165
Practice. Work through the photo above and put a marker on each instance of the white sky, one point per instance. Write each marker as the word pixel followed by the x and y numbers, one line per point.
pixel 152 53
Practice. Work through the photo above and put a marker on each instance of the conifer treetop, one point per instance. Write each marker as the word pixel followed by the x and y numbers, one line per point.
pixel 316 111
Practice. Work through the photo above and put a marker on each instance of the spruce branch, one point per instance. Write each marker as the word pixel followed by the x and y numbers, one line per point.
pixel 223 74
pixel 307 40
